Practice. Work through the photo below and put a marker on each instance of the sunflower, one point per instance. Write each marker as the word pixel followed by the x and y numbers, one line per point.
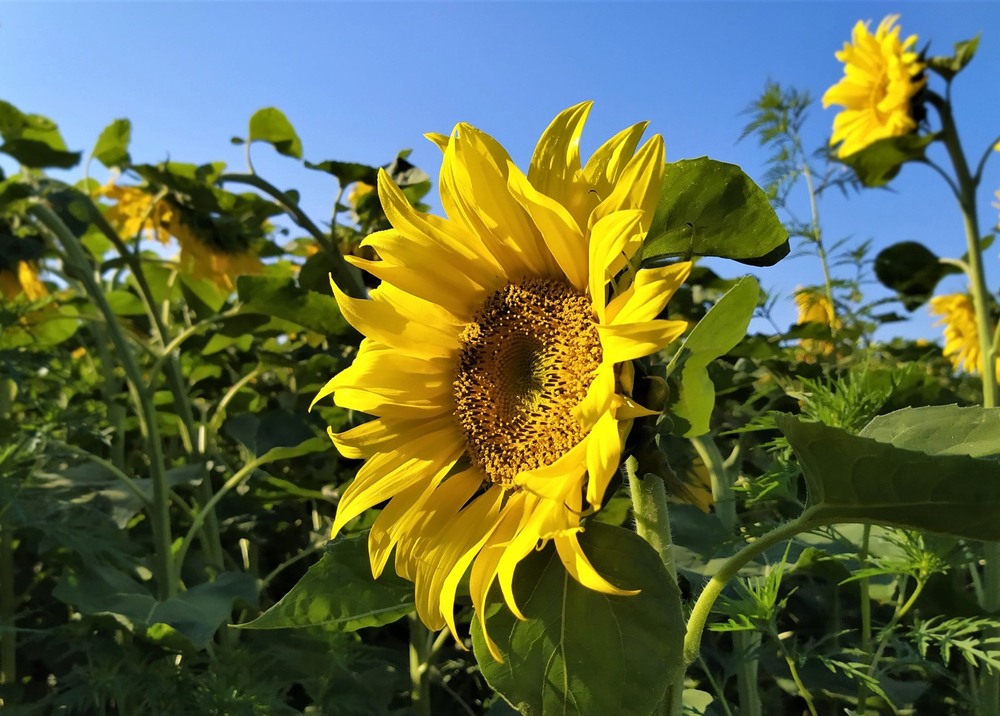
pixel 881 76
pixel 21 278
pixel 497 359
pixel 136 210
pixel 815 307
pixel 961 332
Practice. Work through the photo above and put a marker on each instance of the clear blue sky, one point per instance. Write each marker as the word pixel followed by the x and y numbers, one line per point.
pixel 361 80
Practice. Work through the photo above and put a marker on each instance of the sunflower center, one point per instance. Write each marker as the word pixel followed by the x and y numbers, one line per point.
pixel 527 359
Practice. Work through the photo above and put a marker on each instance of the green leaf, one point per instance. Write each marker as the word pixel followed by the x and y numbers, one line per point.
pixel 196 613
pixel 716 334
pixel 948 67
pixel 346 172
pixel 281 298
pixel 339 593
pixel 878 163
pixel 940 430
pixel 710 208
pixel 125 303
pixel 39 154
pixel 272 126
pixel 852 478
pixel 111 149
pixel 911 270
pixel 578 648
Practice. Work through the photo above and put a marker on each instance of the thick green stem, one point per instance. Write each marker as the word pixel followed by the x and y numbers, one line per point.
pixel 967 185
pixel 420 672
pixel 79 269
pixel 866 614
pixel 344 275
pixel 8 608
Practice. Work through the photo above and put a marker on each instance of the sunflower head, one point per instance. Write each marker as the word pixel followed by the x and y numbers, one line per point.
pixel 815 307
pixel 961 332
pixel 21 279
pixel 882 74
pixel 497 357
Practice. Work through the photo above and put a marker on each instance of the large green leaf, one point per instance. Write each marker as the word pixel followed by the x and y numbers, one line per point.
pixel 580 651
pixel 339 593
pixel 948 67
pixel 33 140
pixel 111 149
pixel 710 208
pixel 272 126
pixel 281 298
pixel 853 478
pixel 716 334
pixel 196 613
pixel 940 430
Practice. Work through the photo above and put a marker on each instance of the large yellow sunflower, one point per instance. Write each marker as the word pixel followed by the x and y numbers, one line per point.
pixel 881 75
pixel 961 332
pixel 497 358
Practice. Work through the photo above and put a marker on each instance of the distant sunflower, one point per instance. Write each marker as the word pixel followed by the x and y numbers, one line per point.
pixel 815 307
pixel 881 76
pixel 497 359
pixel 961 332
pixel 136 210
pixel 20 278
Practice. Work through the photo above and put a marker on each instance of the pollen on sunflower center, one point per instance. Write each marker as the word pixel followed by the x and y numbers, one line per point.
pixel 527 359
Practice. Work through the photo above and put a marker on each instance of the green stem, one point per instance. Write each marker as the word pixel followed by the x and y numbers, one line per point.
pixel 818 238
pixel 160 512
pixel 129 483
pixel 652 523
pixel 420 653
pixel 794 670
pixel 866 614
pixel 722 492
pixel 706 600
pixel 347 278
pixel 8 609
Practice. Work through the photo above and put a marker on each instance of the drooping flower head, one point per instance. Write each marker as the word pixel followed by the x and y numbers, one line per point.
pixel 815 307
pixel 497 358
pixel 20 278
pixel 136 211
pixel 882 73
pixel 961 332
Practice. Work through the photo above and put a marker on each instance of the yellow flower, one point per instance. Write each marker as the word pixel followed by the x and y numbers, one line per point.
pixel 961 333
pixel 497 354
pixel 881 75
pixel 815 307
pixel 21 279
pixel 135 212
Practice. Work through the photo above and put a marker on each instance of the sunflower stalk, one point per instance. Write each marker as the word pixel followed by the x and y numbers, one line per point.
pixel 967 185
pixel 160 511
pixel 421 651
pixel 8 609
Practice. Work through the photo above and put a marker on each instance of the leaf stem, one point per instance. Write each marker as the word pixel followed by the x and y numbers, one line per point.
pixel 420 654
pixel 865 607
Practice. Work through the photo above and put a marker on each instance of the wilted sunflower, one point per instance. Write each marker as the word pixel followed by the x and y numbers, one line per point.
pixel 961 332
pixel 497 358
pixel 881 76
pixel 136 210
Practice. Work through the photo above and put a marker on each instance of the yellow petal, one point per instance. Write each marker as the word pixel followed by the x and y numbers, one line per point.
pixel 555 164
pixel 648 294
pixel 607 242
pixel 635 340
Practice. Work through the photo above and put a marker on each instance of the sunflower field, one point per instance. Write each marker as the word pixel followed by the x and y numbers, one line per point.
pixel 522 455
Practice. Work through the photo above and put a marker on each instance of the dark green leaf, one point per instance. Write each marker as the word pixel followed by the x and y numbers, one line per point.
pixel 880 161
pixel 339 593
pixel 272 126
pixel 578 647
pixel 857 479
pixel 39 155
pixel 281 298
pixel 347 172
pixel 716 334
pixel 940 430
pixel 111 149
pixel 911 270
pixel 709 208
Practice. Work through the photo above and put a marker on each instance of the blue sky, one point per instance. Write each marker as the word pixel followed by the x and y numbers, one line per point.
pixel 362 80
